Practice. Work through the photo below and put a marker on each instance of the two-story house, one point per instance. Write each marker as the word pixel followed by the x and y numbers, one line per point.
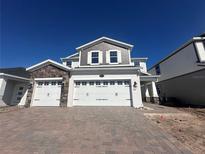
pixel 100 73
pixel 182 74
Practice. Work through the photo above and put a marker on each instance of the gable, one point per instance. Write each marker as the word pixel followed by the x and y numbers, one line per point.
pixel 48 71
pixel 45 63
pixel 104 47
pixel 105 39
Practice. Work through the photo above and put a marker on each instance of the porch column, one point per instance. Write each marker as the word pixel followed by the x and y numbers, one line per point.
pixel 136 92
pixel 147 95
pixel 154 96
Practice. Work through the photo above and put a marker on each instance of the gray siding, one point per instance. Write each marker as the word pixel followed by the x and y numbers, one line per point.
pixel 105 46
pixel 188 89
pixel 183 62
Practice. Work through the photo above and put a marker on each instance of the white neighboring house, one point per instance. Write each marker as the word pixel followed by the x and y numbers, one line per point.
pixel 182 74
pixel 99 73
pixel 13 86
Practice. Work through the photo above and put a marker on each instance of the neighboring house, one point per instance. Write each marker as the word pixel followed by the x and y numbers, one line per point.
pixel 13 86
pixel 100 73
pixel 182 74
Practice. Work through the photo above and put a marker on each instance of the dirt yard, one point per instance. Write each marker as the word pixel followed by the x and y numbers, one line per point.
pixel 187 125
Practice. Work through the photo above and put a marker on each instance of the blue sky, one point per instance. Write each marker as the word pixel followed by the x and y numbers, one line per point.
pixel 35 30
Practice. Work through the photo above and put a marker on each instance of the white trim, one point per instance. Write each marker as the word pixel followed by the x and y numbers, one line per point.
pixel 14 76
pixel 65 58
pixel 107 39
pixel 140 58
pixel 130 62
pixel 115 68
pixel 149 78
pixel 111 65
pixel 49 61
pixel 99 52
pixel 80 58
pixel 48 79
pixel 135 91
pixel 109 56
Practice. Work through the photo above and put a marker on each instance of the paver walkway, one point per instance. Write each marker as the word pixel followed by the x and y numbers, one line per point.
pixel 82 130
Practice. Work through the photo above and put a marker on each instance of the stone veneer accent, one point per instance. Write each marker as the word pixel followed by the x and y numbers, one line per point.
pixel 50 71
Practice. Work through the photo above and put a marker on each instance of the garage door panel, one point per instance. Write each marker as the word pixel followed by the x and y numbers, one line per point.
pixel 47 93
pixel 102 95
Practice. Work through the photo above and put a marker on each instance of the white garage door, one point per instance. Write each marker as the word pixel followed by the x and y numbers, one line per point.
pixel 47 93
pixel 102 93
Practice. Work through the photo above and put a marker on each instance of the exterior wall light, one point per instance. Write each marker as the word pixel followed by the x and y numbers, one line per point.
pixel 135 84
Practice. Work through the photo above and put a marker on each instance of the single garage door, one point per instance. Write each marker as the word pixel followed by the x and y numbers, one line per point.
pixel 102 93
pixel 47 93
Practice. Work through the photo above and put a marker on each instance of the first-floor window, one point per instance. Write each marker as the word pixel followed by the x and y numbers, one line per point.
pixel 95 58
pixel 113 56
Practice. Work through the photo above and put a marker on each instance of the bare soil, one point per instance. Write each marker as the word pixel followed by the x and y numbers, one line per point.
pixel 187 125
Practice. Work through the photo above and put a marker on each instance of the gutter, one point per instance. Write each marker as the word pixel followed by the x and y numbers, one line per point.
pixel 14 76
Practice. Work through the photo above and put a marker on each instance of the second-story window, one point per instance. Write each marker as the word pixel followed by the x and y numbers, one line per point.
pixel 95 57
pixel 157 69
pixel 113 57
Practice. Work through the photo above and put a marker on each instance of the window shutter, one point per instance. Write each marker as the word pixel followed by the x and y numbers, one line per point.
pixel 100 57
pixel 89 58
pixel 119 57
pixel 107 57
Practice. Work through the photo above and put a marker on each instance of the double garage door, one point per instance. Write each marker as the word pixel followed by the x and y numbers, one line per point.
pixel 102 93
pixel 47 93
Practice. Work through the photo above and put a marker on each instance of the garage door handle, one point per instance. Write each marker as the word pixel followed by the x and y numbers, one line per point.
pixel 76 99
pixel 36 99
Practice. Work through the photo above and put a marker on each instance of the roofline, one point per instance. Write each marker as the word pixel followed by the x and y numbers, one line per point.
pixel 104 38
pixel 69 56
pixel 149 78
pixel 194 39
pixel 14 76
pixel 34 67
pixel 140 59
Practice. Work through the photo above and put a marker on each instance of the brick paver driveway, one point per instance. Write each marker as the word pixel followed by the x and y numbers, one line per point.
pixel 99 130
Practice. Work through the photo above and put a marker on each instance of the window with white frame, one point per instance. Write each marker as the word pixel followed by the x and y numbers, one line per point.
pixel 95 57
pixel 113 57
